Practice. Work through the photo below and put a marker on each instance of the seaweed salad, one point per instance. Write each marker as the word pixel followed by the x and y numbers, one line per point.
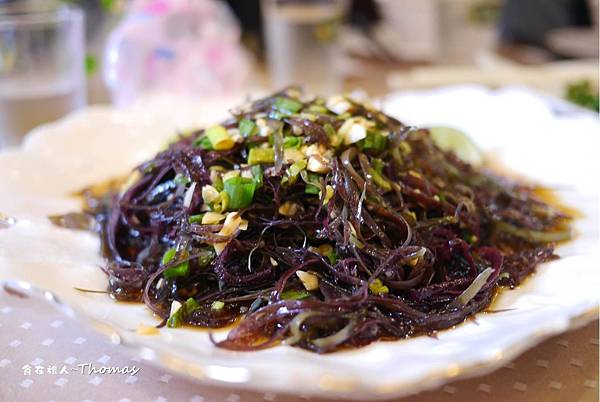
pixel 320 223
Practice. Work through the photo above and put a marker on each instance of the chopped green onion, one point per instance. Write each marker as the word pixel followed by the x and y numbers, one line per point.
pixel 330 130
pixel 261 155
pixel 206 256
pixel 257 175
pixel 275 115
pixel 377 165
pixel 374 141
pixel 218 182
pixel 176 320
pixel 193 219
pixel 247 127
pixel 221 203
pixel 168 255
pixel 332 257
pixel 287 105
pixel 376 177
pixel 312 183
pixel 240 191
pixel 292 294
pixel 219 138
pixel 311 189
pixel 380 180
pixel 344 116
pixel 292 142
pixel 405 148
pixel 203 142
pixel 181 179
pixel 176 271
pixel 217 305
pixel 318 109
pixel 291 174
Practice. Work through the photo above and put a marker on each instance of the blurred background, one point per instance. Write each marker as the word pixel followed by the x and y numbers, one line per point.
pixel 59 55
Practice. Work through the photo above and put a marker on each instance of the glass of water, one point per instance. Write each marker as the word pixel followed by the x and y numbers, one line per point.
pixel 42 72
pixel 302 46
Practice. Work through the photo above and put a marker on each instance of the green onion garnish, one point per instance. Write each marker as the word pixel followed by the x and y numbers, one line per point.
pixel 219 138
pixel 257 175
pixel 292 142
pixel 206 256
pixel 374 141
pixel 178 270
pixel 287 105
pixel 275 115
pixel 291 174
pixel 312 184
pixel 329 130
pixel 181 179
pixel 203 142
pixel 247 127
pixel 194 219
pixel 176 320
pixel 240 191
pixel 261 155
pixel 292 294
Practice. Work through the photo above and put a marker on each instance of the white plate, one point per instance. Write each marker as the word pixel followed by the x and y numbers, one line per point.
pixel 560 151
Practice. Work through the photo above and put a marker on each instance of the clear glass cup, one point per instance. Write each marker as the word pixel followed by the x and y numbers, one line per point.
pixel 302 47
pixel 42 70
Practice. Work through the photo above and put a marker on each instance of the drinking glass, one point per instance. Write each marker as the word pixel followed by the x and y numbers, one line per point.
pixel 302 46
pixel 42 75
